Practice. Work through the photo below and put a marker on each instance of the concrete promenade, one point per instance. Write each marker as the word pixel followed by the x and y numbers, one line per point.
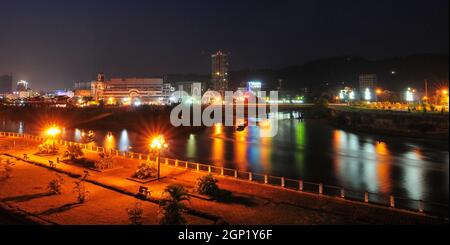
pixel 111 193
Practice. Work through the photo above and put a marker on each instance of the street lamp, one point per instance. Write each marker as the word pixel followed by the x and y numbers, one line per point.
pixel 158 143
pixel 53 131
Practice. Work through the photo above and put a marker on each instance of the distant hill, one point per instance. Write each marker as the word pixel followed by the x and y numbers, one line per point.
pixel 327 74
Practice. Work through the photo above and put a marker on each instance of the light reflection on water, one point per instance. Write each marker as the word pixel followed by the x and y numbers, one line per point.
pixel 124 141
pixel 310 150
pixel 191 149
pixel 218 144
pixel 109 142
pixel 77 135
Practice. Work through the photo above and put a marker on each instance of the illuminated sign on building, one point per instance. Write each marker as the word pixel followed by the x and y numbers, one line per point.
pixel 347 94
pixel 254 87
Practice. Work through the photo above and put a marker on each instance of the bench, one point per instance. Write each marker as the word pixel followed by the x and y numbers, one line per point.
pixel 143 192
pixel 52 164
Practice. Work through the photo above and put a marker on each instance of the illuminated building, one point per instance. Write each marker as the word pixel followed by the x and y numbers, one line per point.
pixel 62 92
pixel 98 87
pixel 409 96
pixel 22 86
pixel 128 91
pixel 367 84
pixel 219 72
pixel 25 94
pixel 347 94
pixel 83 85
pixel 82 93
pixel 83 89
pixel 254 87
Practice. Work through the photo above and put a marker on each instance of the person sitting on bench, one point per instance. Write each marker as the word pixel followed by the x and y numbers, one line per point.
pixel 143 192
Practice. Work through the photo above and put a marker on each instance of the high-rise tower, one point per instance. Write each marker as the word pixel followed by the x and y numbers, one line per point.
pixel 219 72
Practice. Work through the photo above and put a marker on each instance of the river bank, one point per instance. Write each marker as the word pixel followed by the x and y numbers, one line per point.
pixel 402 124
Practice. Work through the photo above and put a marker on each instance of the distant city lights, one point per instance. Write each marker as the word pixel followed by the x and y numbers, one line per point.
pixel 347 94
pixel 410 95
pixel 367 95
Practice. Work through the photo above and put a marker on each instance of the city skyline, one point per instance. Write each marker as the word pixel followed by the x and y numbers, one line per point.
pixel 53 47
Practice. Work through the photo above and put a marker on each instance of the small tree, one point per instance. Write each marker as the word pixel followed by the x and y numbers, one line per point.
pixel 8 168
pixel 207 185
pixel 80 190
pixel 55 185
pixel 172 206
pixel 135 213
pixel 145 171
pixel 106 161
pixel 73 152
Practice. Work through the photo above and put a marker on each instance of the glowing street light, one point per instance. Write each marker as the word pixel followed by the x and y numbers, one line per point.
pixel 53 131
pixel 158 143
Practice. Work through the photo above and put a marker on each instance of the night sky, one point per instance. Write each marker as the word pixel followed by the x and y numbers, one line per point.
pixel 52 44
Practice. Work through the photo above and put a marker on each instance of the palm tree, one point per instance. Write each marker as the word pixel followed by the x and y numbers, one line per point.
pixel 172 205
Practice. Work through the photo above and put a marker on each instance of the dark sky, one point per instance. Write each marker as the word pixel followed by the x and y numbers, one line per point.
pixel 52 44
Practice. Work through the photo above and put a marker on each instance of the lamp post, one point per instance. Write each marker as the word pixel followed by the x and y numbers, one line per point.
pixel 52 132
pixel 50 144
pixel 158 143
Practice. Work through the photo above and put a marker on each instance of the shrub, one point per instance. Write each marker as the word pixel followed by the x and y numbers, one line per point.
pixel 80 190
pixel 145 171
pixel 48 148
pixel 432 108
pixel 172 206
pixel 207 185
pixel 7 168
pixel 73 152
pixel 106 161
pixel 135 213
pixel 55 185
